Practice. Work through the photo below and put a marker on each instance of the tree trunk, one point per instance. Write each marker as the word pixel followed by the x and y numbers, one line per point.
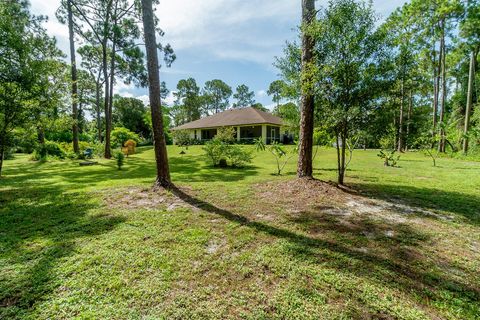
pixel 97 107
pixel 112 67
pixel 305 161
pixel 441 145
pixel 41 135
pixel 436 89
pixel 400 118
pixel 2 152
pixel 108 153
pixel 112 82
pixel 73 63
pixel 163 172
pixel 409 118
pixel 468 110
pixel 341 152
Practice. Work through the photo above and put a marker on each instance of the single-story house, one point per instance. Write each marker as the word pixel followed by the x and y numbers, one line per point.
pixel 249 124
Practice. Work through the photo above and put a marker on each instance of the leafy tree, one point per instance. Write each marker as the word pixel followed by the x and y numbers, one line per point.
pixel 217 94
pixel 244 97
pixel 350 54
pixel 290 115
pixel 188 103
pixel 120 135
pixel 130 113
pixel 276 90
pixel 281 155
pixel 24 49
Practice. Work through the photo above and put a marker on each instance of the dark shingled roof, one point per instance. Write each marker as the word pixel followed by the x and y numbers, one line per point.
pixel 233 117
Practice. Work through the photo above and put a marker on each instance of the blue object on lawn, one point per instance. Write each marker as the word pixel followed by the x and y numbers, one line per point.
pixel 88 153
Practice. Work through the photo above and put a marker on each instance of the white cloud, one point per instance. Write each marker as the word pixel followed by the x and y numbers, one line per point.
pixel 145 99
pixel 261 93
pixel 170 99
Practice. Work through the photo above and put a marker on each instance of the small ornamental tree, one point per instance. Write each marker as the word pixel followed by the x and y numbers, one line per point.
pixel 281 156
pixel 425 143
pixel 389 158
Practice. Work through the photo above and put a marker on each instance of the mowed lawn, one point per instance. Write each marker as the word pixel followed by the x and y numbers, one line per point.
pixel 98 243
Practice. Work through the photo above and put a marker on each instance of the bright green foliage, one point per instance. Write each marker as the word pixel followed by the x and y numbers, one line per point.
pixel 182 138
pixel 389 158
pixel 130 113
pixel 120 159
pixel 282 156
pixel 120 135
pixel 290 114
pixel 220 152
pixel 226 134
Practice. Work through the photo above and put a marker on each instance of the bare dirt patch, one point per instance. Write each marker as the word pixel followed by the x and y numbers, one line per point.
pixel 137 198
pixel 303 195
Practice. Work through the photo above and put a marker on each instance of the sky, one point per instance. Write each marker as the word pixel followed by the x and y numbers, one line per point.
pixel 232 40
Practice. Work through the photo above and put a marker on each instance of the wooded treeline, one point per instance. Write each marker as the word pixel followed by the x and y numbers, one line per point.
pixel 409 82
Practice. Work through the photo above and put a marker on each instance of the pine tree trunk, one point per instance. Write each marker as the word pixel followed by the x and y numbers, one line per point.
pixel 468 110
pixel 441 146
pixel 400 118
pixel 305 161
pixel 436 89
pixel 112 67
pixel 73 63
pixel 409 118
pixel 108 154
pixel 97 107
pixel 163 172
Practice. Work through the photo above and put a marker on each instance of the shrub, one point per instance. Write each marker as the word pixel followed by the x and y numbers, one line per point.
pixel 182 138
pixel 238 156
pixel 120 135
pixel 120 157
pixel 215 150
pixel 49 148
pixel 226 134
pixel 389 158
pixel 26 141
pixel 220 153
pixel 129 147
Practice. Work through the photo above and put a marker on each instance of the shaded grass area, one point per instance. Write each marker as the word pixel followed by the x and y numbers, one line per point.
pixel 232 253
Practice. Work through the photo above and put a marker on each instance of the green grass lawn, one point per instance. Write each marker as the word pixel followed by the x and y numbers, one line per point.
pixel 96 242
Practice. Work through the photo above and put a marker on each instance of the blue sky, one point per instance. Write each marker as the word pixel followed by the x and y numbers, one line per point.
pixel 232 40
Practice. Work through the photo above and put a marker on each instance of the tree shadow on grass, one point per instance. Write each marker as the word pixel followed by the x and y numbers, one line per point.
pixel 183 169
pixel 466 205
pixel 397 264
pixel 39 228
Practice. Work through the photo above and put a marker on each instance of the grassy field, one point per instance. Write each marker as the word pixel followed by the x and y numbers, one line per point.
pixel 95 242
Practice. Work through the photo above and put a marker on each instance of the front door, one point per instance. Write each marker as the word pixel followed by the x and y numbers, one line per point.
pixel 272 135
